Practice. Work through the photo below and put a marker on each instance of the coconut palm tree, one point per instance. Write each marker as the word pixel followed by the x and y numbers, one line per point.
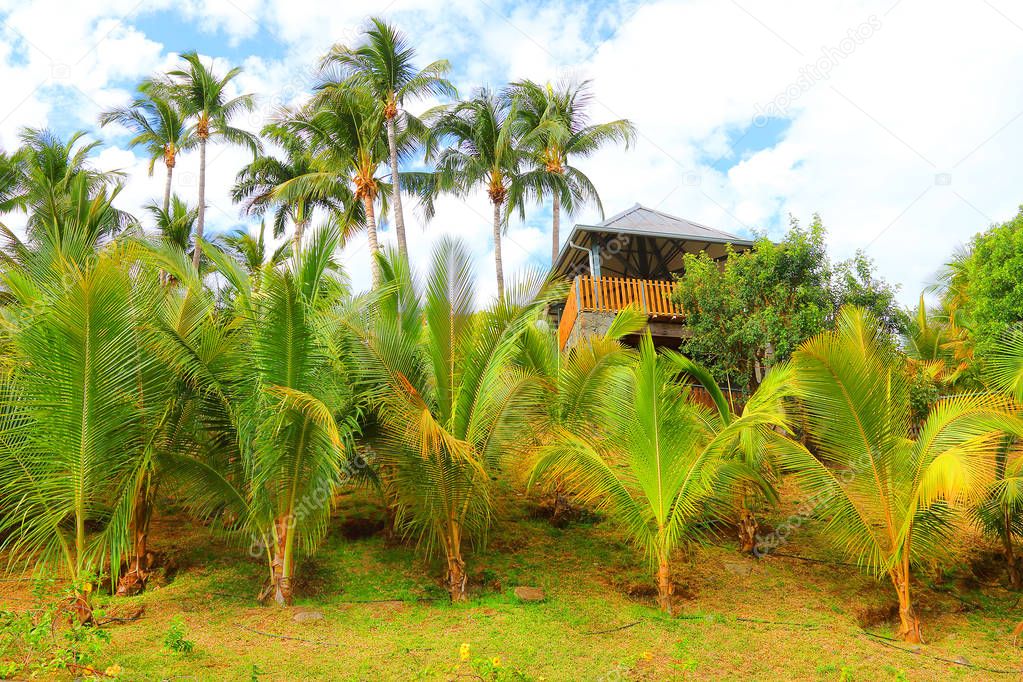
pixel 888 485
pixel 556 126
pixel 485 152
pixel 262 184
pixel 384 64
pixel 447 398
pixel 345 127
pixel 158 126
pixel 201 96
pixel 50 169
pixel 72 412
pixel 657 462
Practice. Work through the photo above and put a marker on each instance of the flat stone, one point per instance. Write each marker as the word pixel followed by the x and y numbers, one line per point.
pixel 307 616
pixel 741 570
pixel 529 593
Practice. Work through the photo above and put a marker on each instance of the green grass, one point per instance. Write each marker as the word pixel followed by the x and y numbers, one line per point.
pixel 588 628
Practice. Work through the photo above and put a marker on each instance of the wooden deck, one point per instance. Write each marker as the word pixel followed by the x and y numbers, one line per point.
pixel 611 294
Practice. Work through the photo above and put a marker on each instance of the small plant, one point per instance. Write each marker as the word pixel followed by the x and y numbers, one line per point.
pixel 176 640
pixel 490 669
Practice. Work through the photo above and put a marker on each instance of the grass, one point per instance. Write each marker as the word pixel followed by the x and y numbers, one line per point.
pixel 777 617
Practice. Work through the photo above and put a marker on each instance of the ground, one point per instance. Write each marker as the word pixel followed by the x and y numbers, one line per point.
pixel 384 616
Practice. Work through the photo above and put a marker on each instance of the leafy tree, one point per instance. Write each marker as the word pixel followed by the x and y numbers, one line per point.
pixel 384 65
pixel 755 309
pixel 984 283
pixel 485 152
pixel 158 125
pixel 887 485
pixel 201 96
pixel 262 185
pixel 556 126
pixel 657 464
pixel 446 397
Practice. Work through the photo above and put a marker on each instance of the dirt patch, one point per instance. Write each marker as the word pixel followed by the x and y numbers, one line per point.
pixel 360 528
pixel 873 616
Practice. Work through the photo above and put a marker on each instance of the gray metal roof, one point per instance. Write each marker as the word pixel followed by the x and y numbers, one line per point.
pixel 647 221
pixel 663 229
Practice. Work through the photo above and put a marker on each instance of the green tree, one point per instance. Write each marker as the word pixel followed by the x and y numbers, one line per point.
pixel 484 152
pixel 755 309
pixel 158 126
pixel 556 127
pixel 384 64
pixel 887 485
pixel 262 185
pixel 447 398
pixel 657 464
pixel 202 97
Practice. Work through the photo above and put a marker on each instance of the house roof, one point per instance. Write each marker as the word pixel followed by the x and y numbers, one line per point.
pixel 651 222
pixel 666 234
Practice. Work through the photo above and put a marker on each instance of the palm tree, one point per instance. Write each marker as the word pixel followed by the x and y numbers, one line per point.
pixel 49 170
pixel 72 412
pixel 383 64
pixel 656 464
pixel 345 127
pixel 201 96
pixel 447 398
pixel 158 126
pixel 176 222
pixel 888 485
pixel 485 153
pixel 262 185
pixel 252 253
pixel 556 126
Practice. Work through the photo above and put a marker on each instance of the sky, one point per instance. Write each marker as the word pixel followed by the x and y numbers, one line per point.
pixel 898 121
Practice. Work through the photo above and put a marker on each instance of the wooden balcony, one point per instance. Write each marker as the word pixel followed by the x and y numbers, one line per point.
pixel 611 294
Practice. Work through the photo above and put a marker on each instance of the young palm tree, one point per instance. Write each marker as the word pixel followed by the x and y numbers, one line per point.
pixel 175 224
pixel 263 183
pixel 447 399
pixel 158 126
pixel 252 253
pixel 383 64
pixel 556 126
pixel 657 463
pixel 201 96
pixel 485 153
pixel 72 413
pixel 888 486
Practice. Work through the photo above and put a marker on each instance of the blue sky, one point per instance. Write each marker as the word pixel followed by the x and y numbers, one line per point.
pixel 748 112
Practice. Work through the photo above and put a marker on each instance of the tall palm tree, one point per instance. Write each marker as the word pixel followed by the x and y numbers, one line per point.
pixel 556 126
pixel 50 170
pixel 657 463
pixel 485 152
pixel 263 184
pixel 158 126
pixel 201 96
pixel 345 126
pixel 447 398
pixel 384 64
pixel 888 485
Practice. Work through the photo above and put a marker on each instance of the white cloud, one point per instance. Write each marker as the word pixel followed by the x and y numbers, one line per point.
pixel 930 93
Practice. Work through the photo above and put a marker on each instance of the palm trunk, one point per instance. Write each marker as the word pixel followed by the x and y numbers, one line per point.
pixel 1015 578
pixel 555 225
pixel 747 529
pixel 300 226
pixel 456 578
pixel 167 188
pixel 665 587
pixel 909 629
pixel 201 219
pixel 497 250
pixel 399 216
pixel 133 580
pixel 281 565
pixel 371 231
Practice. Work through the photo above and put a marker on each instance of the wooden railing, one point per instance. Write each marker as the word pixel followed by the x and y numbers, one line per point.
pixel 611 294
